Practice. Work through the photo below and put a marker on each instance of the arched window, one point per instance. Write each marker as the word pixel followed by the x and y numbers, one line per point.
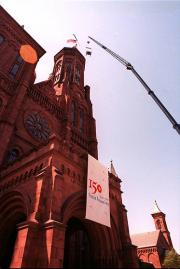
pixel 77 74
pixel 81 120
pixel 1 39
pixel 73 113
pixel 142 258
pixel 158 223
pixel 69 71
pixel 151 258
pixel 13 155
pixel 16 66
pixel 58 66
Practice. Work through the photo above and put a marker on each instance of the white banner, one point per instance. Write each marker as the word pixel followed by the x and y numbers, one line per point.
pixel 97 202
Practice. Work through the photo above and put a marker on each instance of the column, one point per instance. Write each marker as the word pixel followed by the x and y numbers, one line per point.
pixel 26 247
pixel 53 245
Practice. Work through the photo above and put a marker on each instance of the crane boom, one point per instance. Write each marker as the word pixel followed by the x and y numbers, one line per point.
pixel 116 56
pixel 176 126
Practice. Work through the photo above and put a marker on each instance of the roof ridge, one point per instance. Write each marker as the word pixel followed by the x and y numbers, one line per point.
pixel 155 231
pixel 146 239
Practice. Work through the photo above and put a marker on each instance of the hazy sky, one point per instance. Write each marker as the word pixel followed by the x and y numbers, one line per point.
pixel 131 129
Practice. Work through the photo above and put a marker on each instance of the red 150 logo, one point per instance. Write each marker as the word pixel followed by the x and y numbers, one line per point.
pixel 94 186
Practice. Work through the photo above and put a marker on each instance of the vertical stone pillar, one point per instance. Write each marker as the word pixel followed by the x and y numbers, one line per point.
pixel 25 246
pixel 54 235
pixel 57 194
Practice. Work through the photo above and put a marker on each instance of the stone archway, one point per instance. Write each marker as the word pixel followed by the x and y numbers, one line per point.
pixel 77 252
pixel 142 258
pixel 104 246
pixel 13 212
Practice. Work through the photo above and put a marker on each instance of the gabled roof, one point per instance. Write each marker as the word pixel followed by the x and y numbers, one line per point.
pixel 143 240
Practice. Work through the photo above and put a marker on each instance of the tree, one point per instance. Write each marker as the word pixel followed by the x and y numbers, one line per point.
pixel 172 259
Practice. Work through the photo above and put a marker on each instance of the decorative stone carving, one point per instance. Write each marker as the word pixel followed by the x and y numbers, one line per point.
pixel 37 126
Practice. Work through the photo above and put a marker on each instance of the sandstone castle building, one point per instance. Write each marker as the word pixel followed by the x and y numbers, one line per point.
pixel 47 130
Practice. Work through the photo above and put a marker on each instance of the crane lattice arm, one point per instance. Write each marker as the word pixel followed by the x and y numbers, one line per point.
pixel 176 126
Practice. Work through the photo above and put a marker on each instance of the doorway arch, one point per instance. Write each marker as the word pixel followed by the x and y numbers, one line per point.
pixel 77 251
pixel 13 212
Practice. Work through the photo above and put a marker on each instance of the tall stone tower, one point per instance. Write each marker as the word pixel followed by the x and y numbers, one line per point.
pixel 47 131
pixel 160 224
pixel 74 100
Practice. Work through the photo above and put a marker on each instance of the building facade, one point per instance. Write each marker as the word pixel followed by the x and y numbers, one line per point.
pixel 153 245
pixel 47 131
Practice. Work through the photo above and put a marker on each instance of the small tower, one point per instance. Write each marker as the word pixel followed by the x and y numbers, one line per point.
pixel 160 223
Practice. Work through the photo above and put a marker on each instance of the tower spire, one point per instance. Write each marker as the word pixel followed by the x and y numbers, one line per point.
pixel 112 169
pixel 156 208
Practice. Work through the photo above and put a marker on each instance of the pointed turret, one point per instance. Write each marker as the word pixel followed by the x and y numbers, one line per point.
pixel 156 208
pixel 160 223
pixel 112 169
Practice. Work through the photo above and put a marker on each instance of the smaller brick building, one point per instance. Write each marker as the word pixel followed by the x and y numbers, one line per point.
pixel 152 245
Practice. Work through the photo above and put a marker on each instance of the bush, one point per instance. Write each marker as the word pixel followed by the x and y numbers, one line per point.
pixel 172 259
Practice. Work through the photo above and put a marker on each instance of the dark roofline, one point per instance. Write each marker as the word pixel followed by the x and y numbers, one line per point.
pixel 73 51
pixel 158 214
pixel 149 246
pixel 146 232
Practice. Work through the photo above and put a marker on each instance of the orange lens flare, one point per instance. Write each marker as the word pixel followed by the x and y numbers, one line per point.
pixel 28 54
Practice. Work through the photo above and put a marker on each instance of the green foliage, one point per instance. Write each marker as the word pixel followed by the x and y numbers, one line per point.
pixel 172 259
